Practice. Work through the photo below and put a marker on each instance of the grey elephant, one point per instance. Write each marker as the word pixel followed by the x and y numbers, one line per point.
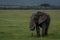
pixel 40 20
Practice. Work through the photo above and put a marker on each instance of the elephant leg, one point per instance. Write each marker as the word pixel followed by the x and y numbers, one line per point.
pixel 37 30
pixel 46 30
pixel 43 29
pixel 47 26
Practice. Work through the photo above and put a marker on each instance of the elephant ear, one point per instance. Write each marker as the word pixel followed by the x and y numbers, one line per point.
pixel 32 23
pixel 42 18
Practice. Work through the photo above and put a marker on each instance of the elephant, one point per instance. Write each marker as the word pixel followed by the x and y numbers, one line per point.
pixel 40 20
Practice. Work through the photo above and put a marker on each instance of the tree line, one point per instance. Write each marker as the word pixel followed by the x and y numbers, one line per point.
pixel 41 6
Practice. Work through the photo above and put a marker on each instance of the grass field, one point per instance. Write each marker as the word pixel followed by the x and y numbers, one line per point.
pixel 14 25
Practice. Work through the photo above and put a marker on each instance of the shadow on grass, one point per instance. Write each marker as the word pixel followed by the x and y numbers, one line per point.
pixel 2 32
pixel 49 36
pixel 53 36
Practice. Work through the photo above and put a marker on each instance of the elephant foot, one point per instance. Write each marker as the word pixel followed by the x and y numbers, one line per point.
pixel 44 35
pixel 38 35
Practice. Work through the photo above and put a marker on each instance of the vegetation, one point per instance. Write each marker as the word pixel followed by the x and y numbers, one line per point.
pixel 14 25
pixel 45 5
pixel 25 7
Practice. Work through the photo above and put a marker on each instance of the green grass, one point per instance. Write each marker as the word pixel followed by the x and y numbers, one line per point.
pixel 14 25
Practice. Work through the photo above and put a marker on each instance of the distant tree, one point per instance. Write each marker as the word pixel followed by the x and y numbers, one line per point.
pixel 45 5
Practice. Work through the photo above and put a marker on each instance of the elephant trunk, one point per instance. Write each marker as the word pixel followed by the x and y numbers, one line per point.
pixel 32 25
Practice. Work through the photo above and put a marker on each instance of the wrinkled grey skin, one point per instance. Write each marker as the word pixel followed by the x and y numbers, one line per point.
pixel 38 20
